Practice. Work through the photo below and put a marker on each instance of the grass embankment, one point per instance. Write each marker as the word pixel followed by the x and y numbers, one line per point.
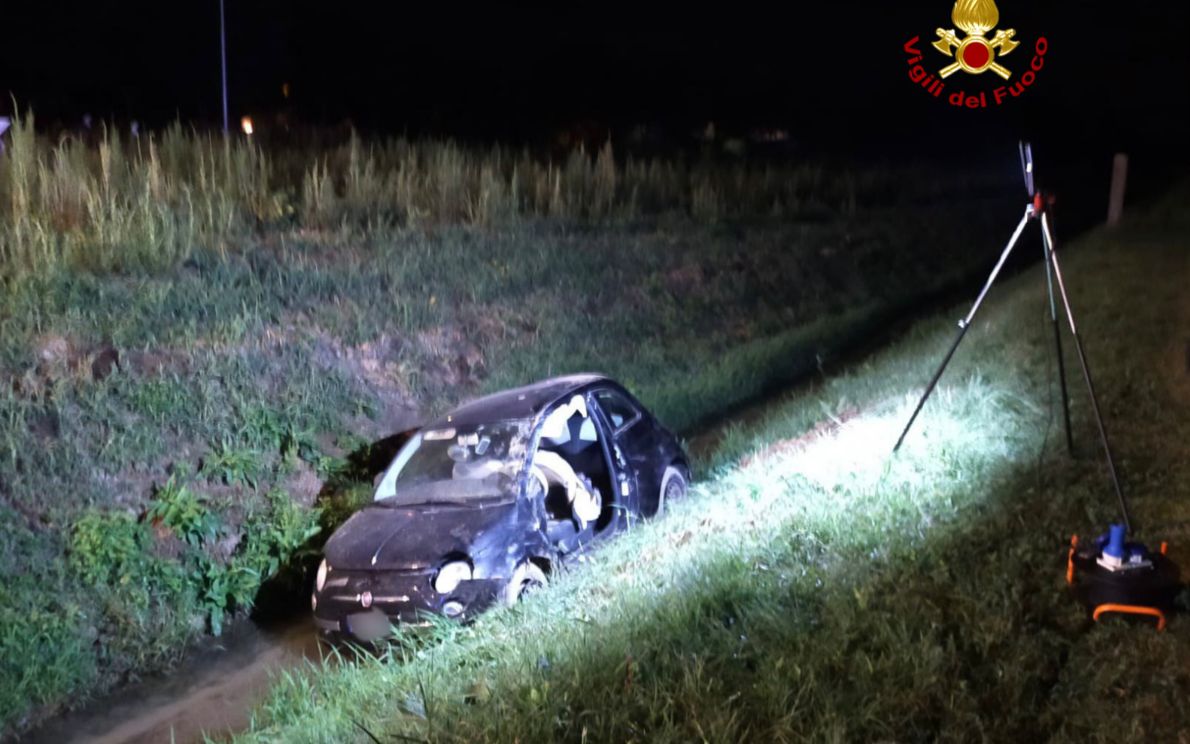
pixel 196 337
pixel 816 588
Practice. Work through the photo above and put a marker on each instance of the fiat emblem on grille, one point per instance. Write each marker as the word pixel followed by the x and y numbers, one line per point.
pixel 365 599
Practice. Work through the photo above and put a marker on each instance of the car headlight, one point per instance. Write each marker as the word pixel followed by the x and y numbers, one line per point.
pixel 320 579
pixel 450 575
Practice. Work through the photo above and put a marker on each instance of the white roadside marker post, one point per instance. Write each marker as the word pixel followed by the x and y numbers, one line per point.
pixel 1119 182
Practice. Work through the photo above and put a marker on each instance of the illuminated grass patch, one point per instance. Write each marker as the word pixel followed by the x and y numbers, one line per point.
pixel 813 587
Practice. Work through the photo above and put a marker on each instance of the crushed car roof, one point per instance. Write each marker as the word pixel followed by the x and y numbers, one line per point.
pixel 517 403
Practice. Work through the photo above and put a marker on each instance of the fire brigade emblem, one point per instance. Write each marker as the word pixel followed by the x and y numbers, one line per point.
pixel 975 53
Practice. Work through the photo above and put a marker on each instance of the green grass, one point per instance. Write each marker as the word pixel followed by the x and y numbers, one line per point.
pixel 816 588
pixel 196 351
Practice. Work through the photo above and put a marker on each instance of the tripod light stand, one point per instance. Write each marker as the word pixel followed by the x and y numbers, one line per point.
pixel 1118 576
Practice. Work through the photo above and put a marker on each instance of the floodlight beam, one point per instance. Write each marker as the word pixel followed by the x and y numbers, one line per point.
pixel 965 323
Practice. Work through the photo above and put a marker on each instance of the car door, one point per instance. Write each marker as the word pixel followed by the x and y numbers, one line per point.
pixel 633 445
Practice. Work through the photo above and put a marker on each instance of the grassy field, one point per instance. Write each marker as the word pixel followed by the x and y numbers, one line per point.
pixel 815 588
pixel 199 340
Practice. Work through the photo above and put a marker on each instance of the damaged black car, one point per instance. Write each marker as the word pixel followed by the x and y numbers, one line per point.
pixel 476 508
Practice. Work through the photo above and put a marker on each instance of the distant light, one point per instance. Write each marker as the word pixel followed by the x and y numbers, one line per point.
pixel 770 135
pixel 246 125
pixel 285 90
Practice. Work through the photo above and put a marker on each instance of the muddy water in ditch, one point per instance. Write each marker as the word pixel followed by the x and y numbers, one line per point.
pixel 212 693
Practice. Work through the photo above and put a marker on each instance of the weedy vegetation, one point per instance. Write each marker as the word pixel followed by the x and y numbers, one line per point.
pixel 201 340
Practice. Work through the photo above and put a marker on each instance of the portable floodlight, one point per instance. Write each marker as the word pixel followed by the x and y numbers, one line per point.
pixel 1109 574
pixel 1027 167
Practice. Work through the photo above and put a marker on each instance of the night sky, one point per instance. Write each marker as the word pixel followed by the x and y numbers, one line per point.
pixel 1117 75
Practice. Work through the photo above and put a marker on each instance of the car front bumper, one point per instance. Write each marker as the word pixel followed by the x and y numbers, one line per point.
pixel 361 603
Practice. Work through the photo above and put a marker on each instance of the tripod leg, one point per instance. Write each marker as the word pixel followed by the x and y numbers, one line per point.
pixel 965 323
pixel 1049 283
pixel 1082 358
pixel 933 382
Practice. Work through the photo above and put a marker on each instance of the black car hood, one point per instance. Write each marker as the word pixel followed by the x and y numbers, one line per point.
pixel 410 538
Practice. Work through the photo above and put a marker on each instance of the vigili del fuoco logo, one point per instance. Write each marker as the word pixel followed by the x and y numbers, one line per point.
pixel 976 47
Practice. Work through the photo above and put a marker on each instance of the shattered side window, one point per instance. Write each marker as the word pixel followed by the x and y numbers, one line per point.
pixel 619 411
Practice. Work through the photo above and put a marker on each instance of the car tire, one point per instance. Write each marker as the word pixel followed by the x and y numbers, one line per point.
pixel 673 488
pixel 526 578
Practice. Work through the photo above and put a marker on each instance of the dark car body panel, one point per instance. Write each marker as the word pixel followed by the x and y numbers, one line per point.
pixel 523 402
pixel 383 538
pixel 649 449
pixel 385 557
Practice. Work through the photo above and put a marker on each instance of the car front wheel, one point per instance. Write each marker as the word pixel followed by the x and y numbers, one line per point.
pixel 527 577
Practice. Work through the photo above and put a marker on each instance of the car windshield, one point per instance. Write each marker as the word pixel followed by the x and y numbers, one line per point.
pixel 457 465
